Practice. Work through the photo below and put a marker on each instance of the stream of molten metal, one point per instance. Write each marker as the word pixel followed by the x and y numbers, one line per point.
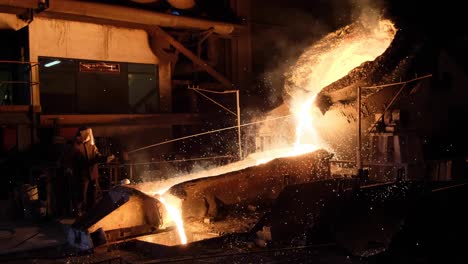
pixel 316 68
pixel 176 216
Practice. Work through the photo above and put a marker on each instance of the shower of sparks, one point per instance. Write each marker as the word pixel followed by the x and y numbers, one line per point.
pixel 325 62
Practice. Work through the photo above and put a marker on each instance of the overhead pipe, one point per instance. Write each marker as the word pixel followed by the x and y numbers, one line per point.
pixel 72 9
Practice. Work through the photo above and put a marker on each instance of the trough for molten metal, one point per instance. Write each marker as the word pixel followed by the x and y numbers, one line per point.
pixel 125 212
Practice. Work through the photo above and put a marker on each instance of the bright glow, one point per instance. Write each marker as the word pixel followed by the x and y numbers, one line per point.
pixel 334 56
pixel 322 64
pixel 325 62
pixel 176 216
pixel 328 61
pixel 304 125
pixel 52 63
pixel 267 156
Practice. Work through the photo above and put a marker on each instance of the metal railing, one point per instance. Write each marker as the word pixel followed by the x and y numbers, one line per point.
pixel 136 171
pixel 17 92
pixel 386 171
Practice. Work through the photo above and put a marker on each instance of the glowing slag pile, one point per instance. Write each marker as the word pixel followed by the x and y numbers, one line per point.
pixel 320 65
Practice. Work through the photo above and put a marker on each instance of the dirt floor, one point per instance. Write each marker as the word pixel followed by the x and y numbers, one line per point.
pixel 47 243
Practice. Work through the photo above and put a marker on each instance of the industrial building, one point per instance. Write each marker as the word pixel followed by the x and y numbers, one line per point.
pixel 257 131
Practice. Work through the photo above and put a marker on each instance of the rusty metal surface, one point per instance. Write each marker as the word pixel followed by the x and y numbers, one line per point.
pixel 121 208
pixel 395 218
pixel 299 208
pixel 394 65
pixel 256 185
pixel 232 202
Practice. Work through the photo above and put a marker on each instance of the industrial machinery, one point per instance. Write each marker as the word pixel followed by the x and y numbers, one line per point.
pixel 226 200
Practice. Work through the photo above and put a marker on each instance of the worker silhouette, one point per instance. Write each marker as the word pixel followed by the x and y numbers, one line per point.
pixel 81 166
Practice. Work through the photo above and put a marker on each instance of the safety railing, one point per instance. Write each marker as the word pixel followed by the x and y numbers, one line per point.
pixel 139 171
pixel 16 87
pixel 380 171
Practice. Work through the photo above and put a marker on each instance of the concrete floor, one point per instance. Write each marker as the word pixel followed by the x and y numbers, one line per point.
pixel 46 243
pixel 433 231
pixel 21 239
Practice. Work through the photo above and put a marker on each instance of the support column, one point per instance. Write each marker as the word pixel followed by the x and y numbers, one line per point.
pixel 23 137
pixel 239 137
pixel 165 86
pixel 35 100
pixel 242 46
pixel 359 132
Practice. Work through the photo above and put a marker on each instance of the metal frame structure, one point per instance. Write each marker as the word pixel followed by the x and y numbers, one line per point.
pixel 359 162
pixel 237 114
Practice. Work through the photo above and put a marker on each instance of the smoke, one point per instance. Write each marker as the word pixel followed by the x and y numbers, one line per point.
pixel 277 48
pixel 300 62
pixel 322 60
pixel 152 182
pixel 337 54
pixel 362 9
pixel 278 45
pixel 200 170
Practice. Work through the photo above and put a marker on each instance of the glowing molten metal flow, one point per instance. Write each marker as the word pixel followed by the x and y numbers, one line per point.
pixel 325 62
pixel 176 216
pixel 304 121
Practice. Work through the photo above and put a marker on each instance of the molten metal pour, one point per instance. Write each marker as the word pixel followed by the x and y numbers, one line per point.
pixel 176 216
pixel 322 64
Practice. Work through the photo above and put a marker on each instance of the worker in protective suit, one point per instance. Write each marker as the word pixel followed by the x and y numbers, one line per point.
pixel 81 162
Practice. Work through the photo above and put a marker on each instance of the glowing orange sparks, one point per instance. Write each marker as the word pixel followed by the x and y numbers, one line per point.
pixel 326 62
pixel 304 128
pixel 322 64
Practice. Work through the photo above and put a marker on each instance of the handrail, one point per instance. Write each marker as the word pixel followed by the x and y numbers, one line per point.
pixel 29 83
pixel 13 82
pixel 32 63
pixel 394 97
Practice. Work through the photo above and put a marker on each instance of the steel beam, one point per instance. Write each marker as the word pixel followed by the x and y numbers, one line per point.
pixel 157 31
pixel 121 119
pixel 207 197
pixel 71 9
